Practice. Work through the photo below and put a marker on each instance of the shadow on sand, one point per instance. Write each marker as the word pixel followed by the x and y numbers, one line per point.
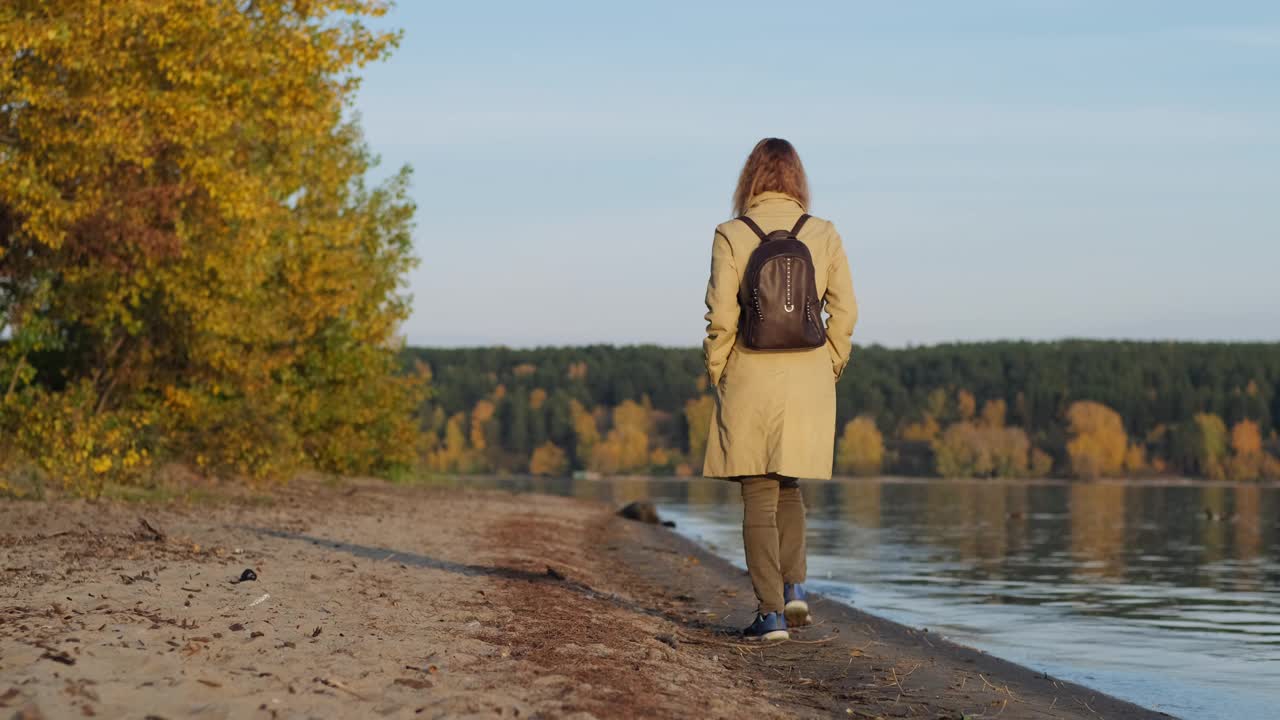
pixel 550 576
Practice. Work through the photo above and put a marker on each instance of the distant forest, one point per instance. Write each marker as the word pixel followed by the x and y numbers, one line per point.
pixel 1070 408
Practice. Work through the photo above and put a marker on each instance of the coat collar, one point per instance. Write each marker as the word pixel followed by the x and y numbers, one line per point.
pixel 772 199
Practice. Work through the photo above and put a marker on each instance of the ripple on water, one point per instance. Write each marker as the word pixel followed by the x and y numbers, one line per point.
pixel 1129 591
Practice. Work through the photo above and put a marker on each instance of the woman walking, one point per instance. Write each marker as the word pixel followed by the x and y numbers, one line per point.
pixel 774 366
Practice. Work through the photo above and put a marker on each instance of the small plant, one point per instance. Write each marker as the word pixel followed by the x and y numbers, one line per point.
pixel 79 449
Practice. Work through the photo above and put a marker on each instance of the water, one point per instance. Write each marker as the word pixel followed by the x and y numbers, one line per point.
pixel 1167 595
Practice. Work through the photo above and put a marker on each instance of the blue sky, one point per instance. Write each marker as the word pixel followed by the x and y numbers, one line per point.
pixel 998 168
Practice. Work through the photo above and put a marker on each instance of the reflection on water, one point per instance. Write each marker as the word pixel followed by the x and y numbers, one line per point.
pixel 1164 594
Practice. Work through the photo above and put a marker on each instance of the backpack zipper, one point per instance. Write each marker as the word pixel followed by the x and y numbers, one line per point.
pixel 787 305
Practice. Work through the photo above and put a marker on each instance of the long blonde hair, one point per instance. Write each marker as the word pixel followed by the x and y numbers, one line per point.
pixel 773 165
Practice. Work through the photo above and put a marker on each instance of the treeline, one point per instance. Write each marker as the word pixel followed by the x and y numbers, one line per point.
pixel 1071 408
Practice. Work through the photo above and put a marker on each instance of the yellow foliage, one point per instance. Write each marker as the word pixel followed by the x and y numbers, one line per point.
pixel 968 449
pixel 82 451
pixel 1135 459
pixel 1211 445
pixel 1098 443
pixel 993 413
pixel 1270 467
pixel 924 431
pixel 861 447
pixel 1246 439
pixel 481 415
pixel 452 454
pixel 966 405
pixel 626 448
pixel 537 397
pixel 660 457
pixel 183 193
pixel 585 429
pixel 1247 461
pixel 1243 468
pixel 548 459
pixel 1041 463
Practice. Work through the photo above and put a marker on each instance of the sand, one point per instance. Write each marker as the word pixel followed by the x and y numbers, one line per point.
pixel 374 600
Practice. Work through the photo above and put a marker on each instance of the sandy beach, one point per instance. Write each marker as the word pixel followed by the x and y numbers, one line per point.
pixel 375 600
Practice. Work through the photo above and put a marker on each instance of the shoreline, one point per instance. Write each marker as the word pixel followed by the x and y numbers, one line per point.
pixel 1141 481
pixel 414 601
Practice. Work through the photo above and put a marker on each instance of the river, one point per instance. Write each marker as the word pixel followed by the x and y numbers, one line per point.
pixel 1166 594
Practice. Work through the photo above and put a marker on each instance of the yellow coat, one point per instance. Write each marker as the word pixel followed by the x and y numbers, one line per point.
pixel 775 410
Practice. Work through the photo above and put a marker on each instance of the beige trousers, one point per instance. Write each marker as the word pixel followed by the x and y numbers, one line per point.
pixel 773 535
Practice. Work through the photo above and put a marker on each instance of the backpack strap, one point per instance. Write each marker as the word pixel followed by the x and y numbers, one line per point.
pixel 795 231
pixel 756 228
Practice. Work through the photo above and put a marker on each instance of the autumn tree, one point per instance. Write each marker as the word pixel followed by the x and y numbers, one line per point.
pixel 861 448
pixel 966 405
pixel 626 447
pixel 983 447
pixel 548 459
pixel 483 426
pixel 451 454
pixel 586 432
pixel 936 404
pixel 1040 463
pixel 190 257
pixel 993 413
pixel 926 430
pixel 969 449
pixel 1209 445
pixel 960 452
pixel 1098 441
pixel 1247 459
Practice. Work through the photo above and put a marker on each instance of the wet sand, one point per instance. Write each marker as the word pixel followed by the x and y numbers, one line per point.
pixel 373 600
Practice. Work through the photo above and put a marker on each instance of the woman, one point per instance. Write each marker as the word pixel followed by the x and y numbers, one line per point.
pixel 775 409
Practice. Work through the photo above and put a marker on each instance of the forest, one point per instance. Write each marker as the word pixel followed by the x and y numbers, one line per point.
pixel 1075 408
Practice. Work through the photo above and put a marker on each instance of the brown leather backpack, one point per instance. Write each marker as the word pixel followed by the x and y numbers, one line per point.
pixel 779 296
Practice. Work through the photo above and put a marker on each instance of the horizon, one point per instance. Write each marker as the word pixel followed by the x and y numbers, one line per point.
pixel 1001 169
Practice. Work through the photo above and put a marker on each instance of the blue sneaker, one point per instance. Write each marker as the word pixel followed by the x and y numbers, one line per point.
pixel 768 626
pixel 797 606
